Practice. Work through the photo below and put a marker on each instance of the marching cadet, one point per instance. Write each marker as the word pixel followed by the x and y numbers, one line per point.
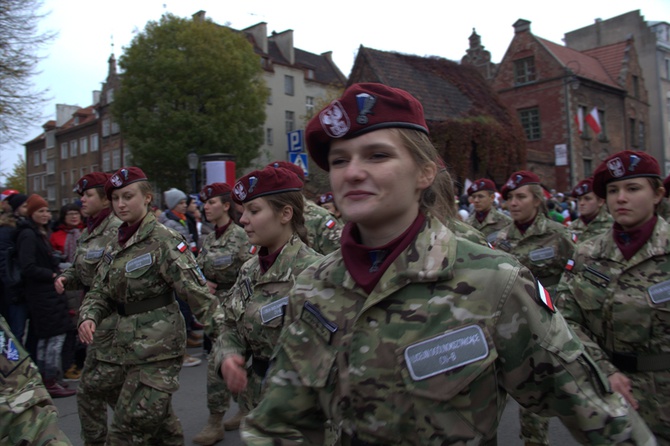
pixel 223 253
pixel 323 230
pixel 541 245
pixel 616 292
pixel 409 335
pixel 273 219
pixel 140 272
pixel 101 228
pixel 28 416
pixel 486 218
pixel 327 202
pixel 594 219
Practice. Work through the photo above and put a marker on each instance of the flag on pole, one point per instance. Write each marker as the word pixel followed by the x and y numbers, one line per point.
pixel 593 120
pixel 579 120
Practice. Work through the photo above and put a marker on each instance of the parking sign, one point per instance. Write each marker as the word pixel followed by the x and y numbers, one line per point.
pixel 295 141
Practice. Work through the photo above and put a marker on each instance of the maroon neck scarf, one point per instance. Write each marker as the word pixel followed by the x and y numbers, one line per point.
pixel 587 220
pixel 630 242
pixel 367 265
pixel 125 231
pixel 481 216
pixel 94 222
pixel 266 260
pixel 218 231
pixel 523 227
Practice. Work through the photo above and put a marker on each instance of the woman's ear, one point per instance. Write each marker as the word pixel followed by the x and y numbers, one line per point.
pixel 286 214
pixel 427 175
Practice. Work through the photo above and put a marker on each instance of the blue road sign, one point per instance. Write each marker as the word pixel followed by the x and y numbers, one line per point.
pixel 300 159
pixel 295 141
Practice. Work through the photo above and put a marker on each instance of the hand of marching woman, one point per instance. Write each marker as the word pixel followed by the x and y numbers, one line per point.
pixel 59 284
pixel 621 383
pixel 86 330
pixel 234 373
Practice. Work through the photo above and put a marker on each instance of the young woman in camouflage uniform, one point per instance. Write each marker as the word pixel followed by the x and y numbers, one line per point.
pixel 541 245
pixel 101 228
pixel 140 272
pixel 222 254
pixel 616 293
pixel 409 335
pixel 273 220
pixel 594 218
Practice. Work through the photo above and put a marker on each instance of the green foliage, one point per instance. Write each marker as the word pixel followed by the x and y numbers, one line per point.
pixel 189 85
pixel 17 179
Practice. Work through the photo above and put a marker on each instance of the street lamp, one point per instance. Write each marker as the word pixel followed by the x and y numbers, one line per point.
pixel 193 166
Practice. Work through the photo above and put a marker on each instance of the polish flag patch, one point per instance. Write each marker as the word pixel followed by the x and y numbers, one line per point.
pixel 182 247
pixel 569 265
pixel 330 224
pixel 574 238
pixel 253 249
pixel 545 297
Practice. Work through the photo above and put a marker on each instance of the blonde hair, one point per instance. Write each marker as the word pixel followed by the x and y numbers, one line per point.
pixel 297 202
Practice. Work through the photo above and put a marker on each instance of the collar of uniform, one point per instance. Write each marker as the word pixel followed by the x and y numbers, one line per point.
pixel 278 272
pixel 146 227
pixel 658 245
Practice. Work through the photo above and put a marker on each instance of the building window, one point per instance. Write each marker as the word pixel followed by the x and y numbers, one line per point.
pixel 289 87
pixel 43 179
pixel 636 87
pixel 110 95
pixel 83 145
pixel 51 167
pixel 269 101
pixel 290 121
pixel 309 106
pixel 588 167
pixel 63 151
pixel 309 74
pixel 44 156
pixel 64 201
pixel 115 128
pixel 73 176
pixel 641 137
pixel 73 148
pixel 106 162
pixel 36 183
pixel 524 71
pixel 530 121
pixel 36 158
pixel 268 137
pixel 51 139
pixel 63 177
pixel 83 171
pixel 632 132
pixel 106 127
pixel 51 193
pixel 127 155
pixel 95 145
pixel 116 159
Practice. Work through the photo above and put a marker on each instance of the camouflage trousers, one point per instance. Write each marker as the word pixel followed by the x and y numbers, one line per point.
pixel 534 428
pixel 92 402
pixel 37 424
pixel 652 392
pixel 218 395
pixel 143 412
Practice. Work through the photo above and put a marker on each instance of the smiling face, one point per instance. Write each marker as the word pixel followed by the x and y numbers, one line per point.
pixel 523 204
pixel 42 216
pixel 632 201
pixel 376 182
pixel 130 203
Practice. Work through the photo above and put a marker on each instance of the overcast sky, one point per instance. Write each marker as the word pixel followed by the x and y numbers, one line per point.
pixel 75 64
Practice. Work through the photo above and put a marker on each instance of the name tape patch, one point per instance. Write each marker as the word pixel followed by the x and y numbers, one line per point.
pixel 273 310
pixel 94 254
pixel 223 260
pixel 318 321
pixel 542 254
pixel 446 352
pixel 139 262
pixel 660 292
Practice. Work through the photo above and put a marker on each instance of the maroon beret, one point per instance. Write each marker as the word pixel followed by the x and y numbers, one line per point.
pixel 326 198
pixel 215 190
pixel 622 165
pixel 518 179
pixel 583 188
pixel 362 109
pixel 290 166
pixel 482 184
pixel 89 181
pixel 122 178
pixel 268 181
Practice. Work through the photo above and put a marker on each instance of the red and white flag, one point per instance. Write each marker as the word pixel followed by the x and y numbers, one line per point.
pixel 593 120
pixel 579 120
pixel 545 297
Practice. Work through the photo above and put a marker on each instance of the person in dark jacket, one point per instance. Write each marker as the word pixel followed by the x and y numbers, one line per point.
pixel 48 309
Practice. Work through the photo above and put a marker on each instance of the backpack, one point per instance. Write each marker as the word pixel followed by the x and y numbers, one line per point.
pixel 11 273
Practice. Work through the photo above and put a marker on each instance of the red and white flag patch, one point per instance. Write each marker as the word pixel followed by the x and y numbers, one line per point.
pixel 330 224
pixel 182 247
pixel 253 249
pixel 569 265
pixel 545 297
pixel 574 238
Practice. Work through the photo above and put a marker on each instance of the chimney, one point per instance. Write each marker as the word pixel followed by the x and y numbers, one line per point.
pixel 64 113
pixel 96 97
pixel 284 41
pixel 521 26
pixel 199 16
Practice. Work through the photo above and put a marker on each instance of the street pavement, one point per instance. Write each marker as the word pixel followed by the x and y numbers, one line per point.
pixel 190 404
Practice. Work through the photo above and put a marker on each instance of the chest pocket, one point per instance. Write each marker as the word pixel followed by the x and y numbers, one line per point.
pixel 139 266
pixel 440 367
pixel 271 314
pixel 93 256
pixel 309 353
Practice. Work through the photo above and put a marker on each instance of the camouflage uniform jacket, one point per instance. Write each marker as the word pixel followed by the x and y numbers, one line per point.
pixel 429 355
pixel 544 248
pixel 323 229
pixel 466 231
pixel 90 248
pixel 623 306
pixel 254 312
pixel 494 222
pixel 155 262
pixel 27 413
pixel 220 259
pixel 600 224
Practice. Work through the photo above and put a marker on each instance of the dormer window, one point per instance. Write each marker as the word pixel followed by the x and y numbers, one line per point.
pixel 309 74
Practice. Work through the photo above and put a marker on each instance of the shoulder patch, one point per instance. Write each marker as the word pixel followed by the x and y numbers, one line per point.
pixel 253 249
pixel 574 237
pixel 569 265
pixel 330 224
pixel 181 247
pixel 544 297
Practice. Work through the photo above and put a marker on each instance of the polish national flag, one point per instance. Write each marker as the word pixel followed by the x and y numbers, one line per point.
pixel 579 120
pixel 593 120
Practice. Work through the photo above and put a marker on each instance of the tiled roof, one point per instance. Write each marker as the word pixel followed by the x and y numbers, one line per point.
pixel 85 115
pixel 611 57
pixel 324 70
pixel 581 63
pixel 444 88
